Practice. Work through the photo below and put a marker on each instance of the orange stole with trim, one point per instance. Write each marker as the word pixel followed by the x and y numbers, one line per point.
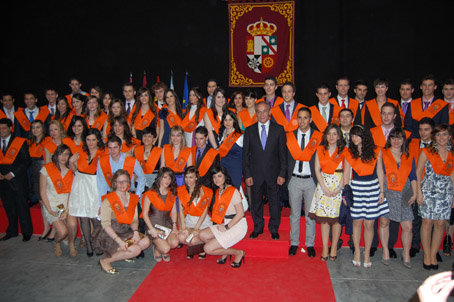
pixel 396 176
pixel 329 164
pixel 207 160
pixel 12 152
pixel 318 119
pixel 104 162
pixel 148 165
pixel 157 202
pixel 99 121
pixel 306 153
pixel 61 184
pixel 89 168
pixel 177 165
pixel 246 118
pixel 202 204
pixel 353 105
pixel 221 204
pixel 279 117
pixel 143 121
pixel 361 168
pixel 123 216
pixel 190 124
pixel 416 109
pixel 440 167
pixel 228 143
pixel 37 150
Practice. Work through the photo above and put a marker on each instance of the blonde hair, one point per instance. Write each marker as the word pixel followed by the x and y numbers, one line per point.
pixel 181 131
pixel 60 126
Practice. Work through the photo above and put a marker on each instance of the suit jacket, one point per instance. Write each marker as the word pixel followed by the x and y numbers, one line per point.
pixel 291 161
pixel 265 165
pixel 206 179
pixel 331 118
pixel 18 167
pixel 412 125
pixel 282 107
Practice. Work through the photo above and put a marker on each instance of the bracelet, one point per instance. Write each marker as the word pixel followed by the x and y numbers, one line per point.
pixel 227 227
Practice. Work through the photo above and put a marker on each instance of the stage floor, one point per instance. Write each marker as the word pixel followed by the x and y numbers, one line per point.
pixel 30 271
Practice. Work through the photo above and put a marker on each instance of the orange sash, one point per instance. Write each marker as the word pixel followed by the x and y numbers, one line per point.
pixel 440 167
pixel 66 121
pixel 177 165
pixel 157 202
pixel 189 125
pixel 173 119
pixel 431 111
pixel 451 117
pixel 207 160
pixel 12 151
pixel 353 105
pixel 69 99
pixel 215 122
pixel 61 184
pixel 84 166
pixel 246 118
pixel 306 154
pixel 190 209
pixel 134 142
pixel 37 150
pixel 2 114
pixel 25 122
pixel 50 146
pixel 396 177
pixel 221 204
pixel 104 162
pixel 277 101
pixel 328 163
pixel 279 117
pixel 374 111
pixel 361 168
pixel 71 144
pixel 129 117
pixel 99 121
pixel 123 216
pixel 148 165
pixel 228 143
pixel 379 136
pixel 141 122
pixel 318 119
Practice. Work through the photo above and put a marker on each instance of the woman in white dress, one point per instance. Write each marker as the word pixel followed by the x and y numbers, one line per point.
pixel 84 200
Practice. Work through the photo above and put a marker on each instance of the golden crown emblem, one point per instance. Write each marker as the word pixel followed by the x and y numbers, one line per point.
pixel 261 28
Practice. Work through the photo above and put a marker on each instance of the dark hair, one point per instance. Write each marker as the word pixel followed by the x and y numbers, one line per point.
pixel 32 137
pixel 232 99
pixel 159 85
pixel 340 139
pixel 127 135
pixel 198 94
pixel 139 105
pixel 381 81
pixel 429 77
pixel 346 110
pixel 89 98
pixel 343 78
pixel 368 145
pixel 157 182
pixel 250 94
pixel 7 122
pixel 398 132
pixel 177 102
pixel 128 84
pixel 60 150
pixel 390 105
pixel 427 121
pixel 149 130
pixel 114 139
pixel 291 85
pixel 198 184
pixel 272 79
pixel 73 122
pixel 95 132
pixel 360 82
pixel 323 86
pixel 449 81
pixel 212 80
pixel 82 98
pixel 305 109
pixel 30 92
pixel 118 173
pixel 406 82
pixel 236 125
pixel 63 116
pixel 437 129
pixel 201 130
pixel 98 89
pixel 218 168
pixel 122 112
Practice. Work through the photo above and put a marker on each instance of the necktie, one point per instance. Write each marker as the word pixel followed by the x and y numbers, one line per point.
pixel 263 137
pixel 199 156
pixel 324 114
pixel 300 165
pixel 425 144
pixel 52 111
pixel 31 118
pixel 129 108
pixel 287 112
pixel 426 104
pixel 386 133
pixel 404 107
pixel 346 138
pixel 4 146
pixel 343 103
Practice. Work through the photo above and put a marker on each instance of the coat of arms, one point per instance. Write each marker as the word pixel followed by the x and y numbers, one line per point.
pixel 261 46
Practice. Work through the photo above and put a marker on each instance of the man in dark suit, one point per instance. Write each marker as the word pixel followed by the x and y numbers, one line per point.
pixel 301 145
pixel 14 160
pixel 324 113
pixel 265 168
pixel 205 157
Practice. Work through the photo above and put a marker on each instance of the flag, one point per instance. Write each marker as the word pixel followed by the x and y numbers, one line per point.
pixel 157 79
pixel 130 77
pixel 171 79
pixel 185 91
pixel 144 82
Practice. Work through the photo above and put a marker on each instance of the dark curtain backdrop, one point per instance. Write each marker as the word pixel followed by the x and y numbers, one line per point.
pixel 44 43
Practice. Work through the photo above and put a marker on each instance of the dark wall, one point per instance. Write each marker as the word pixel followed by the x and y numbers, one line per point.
pixel 45 43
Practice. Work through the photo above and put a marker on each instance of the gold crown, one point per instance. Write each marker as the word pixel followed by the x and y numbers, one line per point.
pixel 261 28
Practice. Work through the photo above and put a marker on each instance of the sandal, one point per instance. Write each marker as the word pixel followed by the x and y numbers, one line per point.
pixel 189 257
pixel 111 271
pixel 202 256
pixel 166 258
pixel 223 259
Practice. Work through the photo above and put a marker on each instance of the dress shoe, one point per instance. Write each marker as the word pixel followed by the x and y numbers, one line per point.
pixel 413 252
pixel 311 251
pixel 6 237
pixel 427 267
pixel 238 264
pixel 372 251
pixel 275 236
pixel 26 238
pixel 292 250
pixel 392 254
pixel 254 235
pixel 434 267
pixel 439 257
pixel 339 244
pixel 41 238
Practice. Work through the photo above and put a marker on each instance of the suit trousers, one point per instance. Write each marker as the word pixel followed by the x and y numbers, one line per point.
pixel 16 208
pixel 271 191
pixel 299 188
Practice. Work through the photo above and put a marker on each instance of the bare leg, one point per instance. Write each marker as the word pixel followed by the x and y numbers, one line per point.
pixel 437 237
pixel 212 247
pixel 85 226
pixel 45 222
pixel 61 233
pixel 368 236
pixel 324 227
pixel 356 238
pixel 336 231
pixel 426 230
pixel 383 231
pixel 406 236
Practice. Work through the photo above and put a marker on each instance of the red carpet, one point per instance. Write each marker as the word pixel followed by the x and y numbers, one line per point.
pixel 298 278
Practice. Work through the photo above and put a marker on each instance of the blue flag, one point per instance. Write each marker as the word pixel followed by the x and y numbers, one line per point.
pixel 185 91
pixel 171 80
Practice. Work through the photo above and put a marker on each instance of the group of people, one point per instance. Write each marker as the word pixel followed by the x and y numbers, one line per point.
pixel 144 170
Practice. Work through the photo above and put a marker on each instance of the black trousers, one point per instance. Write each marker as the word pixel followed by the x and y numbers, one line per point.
pixel 393 234
pixel 272 194
pixel 17 209
pixel 417 221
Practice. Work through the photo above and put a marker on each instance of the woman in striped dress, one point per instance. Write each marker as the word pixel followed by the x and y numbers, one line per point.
pixel 364 161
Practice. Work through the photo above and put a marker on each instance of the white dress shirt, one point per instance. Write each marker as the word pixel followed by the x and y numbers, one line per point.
pixel 9 113
pixel 5 141
pixel 306 167
pixel 35 112
pixel 267 128
pixel 320 106
pixel 339 101
pixel 132 102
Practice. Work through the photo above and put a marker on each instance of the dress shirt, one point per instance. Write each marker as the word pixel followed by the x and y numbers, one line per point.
pixel 271 101
pixel 160 104
pixel 129 102
pixel 9 113
pixel 200 150
pixel 361 103
pixel 267 128
pixel 386 131
pixel 421 143
pixel 209 99
pixel 290 108
pixel 306 167
pixel 6 141
pixel 424 101
pixel 52 107
pixel 35 112
pixel 320 106
pixel 339 101
pixel 103 187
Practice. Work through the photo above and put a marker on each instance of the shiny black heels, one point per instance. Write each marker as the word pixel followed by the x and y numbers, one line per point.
pixel 238 264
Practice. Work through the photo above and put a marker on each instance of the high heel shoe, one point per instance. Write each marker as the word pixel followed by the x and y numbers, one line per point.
pixel 356 263
pixel 447 246
pixel 427 267
pixel 324 259
pixel 89 254
pixel 238 264
pixel 222 260
pixel 41 238
pixel 367 264
pixel 112 271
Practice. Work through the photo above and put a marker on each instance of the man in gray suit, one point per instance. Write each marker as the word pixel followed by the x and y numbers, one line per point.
pixel 265 168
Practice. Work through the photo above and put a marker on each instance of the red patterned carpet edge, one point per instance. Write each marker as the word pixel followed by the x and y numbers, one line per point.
pixel 299 278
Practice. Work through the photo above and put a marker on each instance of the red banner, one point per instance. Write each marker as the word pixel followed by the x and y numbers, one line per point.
pixel 261 42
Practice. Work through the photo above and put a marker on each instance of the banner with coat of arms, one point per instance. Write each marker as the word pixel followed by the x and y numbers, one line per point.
pixel 261 42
